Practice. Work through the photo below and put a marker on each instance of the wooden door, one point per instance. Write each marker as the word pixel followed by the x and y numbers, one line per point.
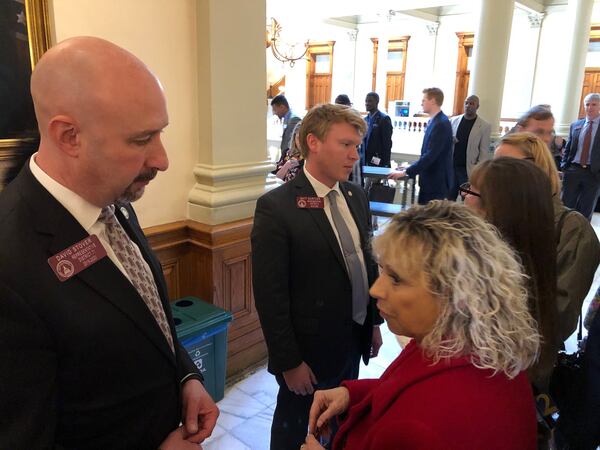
pixel 319 68
pixel 591 83
pixel 396 68
pixel 461 86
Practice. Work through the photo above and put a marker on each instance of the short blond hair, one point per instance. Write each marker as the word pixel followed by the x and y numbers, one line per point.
pixel 477 278
pixel 535 149
pixel 319 119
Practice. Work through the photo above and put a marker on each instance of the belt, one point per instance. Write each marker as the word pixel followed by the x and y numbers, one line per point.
pixel 583 166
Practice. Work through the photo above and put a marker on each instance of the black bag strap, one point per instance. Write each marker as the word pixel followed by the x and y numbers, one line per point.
pixel 580 330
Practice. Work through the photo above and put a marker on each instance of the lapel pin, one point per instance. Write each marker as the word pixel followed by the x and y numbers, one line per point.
pixel 350 193
pixel 124 212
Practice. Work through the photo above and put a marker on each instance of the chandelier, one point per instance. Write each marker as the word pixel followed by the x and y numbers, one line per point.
pixel 284 51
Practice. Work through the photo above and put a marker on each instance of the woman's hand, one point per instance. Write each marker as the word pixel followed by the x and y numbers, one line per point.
pixel 311 443
pixel 326 405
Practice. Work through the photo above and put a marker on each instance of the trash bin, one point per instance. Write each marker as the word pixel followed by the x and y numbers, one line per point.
pixel 202 330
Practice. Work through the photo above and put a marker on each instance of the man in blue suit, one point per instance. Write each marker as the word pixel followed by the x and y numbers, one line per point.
pixel 581 162
pixel 434 167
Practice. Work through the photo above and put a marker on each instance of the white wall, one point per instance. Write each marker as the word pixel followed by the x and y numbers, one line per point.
pixel 162 34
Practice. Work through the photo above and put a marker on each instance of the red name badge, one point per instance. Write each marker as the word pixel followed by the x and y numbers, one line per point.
pixel 77 257
pixel 310 202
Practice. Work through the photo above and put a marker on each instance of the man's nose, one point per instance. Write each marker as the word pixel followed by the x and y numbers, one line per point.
pixel 158 158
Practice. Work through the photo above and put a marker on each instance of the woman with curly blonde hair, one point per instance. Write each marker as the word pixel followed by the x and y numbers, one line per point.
pixel 451 283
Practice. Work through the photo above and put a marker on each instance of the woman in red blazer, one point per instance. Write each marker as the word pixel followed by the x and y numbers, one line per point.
pixel 448 281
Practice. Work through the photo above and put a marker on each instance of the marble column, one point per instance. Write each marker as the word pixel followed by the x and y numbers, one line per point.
pixel 232 166
pixel 577 33
pixel 490 48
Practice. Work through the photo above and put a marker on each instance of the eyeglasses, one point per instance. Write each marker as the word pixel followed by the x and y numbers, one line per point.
pixel 465 189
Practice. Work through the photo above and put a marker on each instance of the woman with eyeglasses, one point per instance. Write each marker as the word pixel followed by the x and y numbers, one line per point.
pixel 578 249
pixel 516 196
pixel 448 281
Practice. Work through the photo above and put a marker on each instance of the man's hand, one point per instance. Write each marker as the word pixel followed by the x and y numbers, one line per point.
pixel 397 175
pixel 376 342
pixel 176 441
pixel 199 412
pixel 300 380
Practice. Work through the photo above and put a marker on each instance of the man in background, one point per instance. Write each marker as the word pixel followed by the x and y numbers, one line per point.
pixel 377 143
pixel 471 136
pixel 281 108
pixel 90 358
pixel 538 120
pixel 434 167
pixel 581 162
pixel 311 271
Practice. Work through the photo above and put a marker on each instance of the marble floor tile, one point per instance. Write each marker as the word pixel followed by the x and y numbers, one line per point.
pixel 256 431
pixel 226 442
pixel 238 403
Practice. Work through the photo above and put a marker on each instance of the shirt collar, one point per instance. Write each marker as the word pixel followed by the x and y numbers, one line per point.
pixel 287 116
pixel 320 189
pixel 83 211
pixel 592 121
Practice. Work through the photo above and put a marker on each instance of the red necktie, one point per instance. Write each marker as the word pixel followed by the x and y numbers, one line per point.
pixel 587 141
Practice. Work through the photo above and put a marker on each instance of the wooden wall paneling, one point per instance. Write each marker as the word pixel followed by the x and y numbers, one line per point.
pixel 213 263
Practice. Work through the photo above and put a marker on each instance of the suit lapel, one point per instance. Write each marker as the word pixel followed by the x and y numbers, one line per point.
pixel 103 277
pixel 303 188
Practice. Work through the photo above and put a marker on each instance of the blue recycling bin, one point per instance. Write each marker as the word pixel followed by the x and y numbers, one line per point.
pixel 202 330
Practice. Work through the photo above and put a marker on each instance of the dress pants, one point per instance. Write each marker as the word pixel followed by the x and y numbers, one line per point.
pixel 580 189
pixel 460 177
pixel 290 420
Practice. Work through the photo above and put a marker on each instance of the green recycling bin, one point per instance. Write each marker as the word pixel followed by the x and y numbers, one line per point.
pixel 202 330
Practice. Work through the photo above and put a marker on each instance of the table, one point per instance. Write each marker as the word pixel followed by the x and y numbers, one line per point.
pixel 381 173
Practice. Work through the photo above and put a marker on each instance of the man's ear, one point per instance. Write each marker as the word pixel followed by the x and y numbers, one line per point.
pixel 64 133
pixel 313 143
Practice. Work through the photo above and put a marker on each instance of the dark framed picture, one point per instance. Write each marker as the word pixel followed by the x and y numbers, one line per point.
pixel 24 37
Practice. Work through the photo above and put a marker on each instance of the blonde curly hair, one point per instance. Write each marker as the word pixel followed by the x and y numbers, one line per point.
pixel 477 278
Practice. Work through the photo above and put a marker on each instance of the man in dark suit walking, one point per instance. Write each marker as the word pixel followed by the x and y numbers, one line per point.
pixel 434 167
pixel 90 358
pixel 312 268
pixel 581 161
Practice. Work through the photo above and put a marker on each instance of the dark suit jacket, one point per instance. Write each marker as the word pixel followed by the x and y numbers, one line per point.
pixel 84 364
pixel 573 143
pixel 434 167
pixel 301 287
pixel 380 140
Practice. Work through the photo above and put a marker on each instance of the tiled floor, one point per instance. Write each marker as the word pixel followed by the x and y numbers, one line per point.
pixel 248 406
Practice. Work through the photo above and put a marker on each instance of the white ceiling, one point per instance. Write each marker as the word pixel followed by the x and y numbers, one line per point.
pixel 364 11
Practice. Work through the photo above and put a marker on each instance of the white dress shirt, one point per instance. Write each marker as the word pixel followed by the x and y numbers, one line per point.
pixel 82 211
pixel 322 190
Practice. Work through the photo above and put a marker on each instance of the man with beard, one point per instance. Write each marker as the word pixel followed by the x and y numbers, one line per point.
pixel 90 358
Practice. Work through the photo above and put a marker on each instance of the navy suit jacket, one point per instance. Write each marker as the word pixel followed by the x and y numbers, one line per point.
pixel 573 143
pixel 83 363
pixel 434 167
pixel 380 140
pixel 301 286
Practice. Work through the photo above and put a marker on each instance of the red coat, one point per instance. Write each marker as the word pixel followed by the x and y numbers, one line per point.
pixel 450 405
